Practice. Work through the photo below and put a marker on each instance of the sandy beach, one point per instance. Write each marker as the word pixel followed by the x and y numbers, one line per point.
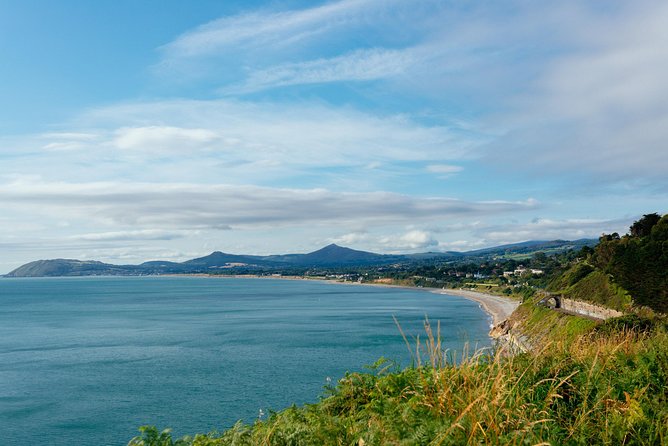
pixel 498 307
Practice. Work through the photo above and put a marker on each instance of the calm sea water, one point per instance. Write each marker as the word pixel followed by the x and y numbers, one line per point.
pixel 85 361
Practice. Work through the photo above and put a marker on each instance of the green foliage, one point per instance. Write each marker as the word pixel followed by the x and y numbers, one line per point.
pixel 643 227
pixel 150 436
pixel 629 322
pixel 622 271
pixel 639 263
pixel 571 276
pixel 597 287
pixel 543 325
pixel 580 271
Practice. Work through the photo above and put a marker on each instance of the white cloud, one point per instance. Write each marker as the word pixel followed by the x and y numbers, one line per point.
pixel 163 138
pixel 352 238
pixel 413 239
pixel 209 141
pixel 290 134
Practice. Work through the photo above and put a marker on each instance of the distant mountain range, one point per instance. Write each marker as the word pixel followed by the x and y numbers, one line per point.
pixel 329 256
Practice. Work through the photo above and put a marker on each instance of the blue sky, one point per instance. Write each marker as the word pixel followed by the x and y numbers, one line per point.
pixel 167 129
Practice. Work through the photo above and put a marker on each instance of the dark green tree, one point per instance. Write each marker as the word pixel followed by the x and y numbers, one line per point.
pixel 643 227
pixel 639 261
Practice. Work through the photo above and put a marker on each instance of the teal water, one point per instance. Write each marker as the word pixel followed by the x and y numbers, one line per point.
pixel 85 361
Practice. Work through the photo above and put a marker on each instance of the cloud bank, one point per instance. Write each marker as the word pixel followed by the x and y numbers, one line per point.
pixel 194 206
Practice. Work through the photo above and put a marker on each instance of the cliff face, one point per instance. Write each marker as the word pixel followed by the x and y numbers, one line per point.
pixel 510 341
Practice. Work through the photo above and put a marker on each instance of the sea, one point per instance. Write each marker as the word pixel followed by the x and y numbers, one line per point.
pixel 86 361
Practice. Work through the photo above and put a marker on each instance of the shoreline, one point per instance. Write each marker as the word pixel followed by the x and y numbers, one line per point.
pixel 497 307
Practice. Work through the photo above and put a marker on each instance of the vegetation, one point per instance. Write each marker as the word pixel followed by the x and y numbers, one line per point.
pixel 541 325
pixel 605 385
pixel 581 382
pixel 596 287
pixel 621 272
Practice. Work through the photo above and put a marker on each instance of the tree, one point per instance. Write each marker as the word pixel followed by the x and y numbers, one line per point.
pixel 643 227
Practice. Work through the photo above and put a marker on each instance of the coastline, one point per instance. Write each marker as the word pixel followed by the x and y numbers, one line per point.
pixel 497 307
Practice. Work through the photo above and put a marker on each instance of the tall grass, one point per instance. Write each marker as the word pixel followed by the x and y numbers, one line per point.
pixel 602 387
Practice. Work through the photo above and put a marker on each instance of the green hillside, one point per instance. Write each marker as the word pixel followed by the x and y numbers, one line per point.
pixel 622 272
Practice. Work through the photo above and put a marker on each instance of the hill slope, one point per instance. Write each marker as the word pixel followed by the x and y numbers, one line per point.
pixel 68 267
pixel 620 272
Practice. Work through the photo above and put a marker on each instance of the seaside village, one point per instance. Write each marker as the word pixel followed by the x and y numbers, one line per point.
pixel 438 277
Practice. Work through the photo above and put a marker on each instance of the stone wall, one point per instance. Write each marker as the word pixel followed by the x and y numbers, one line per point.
pixel 589 309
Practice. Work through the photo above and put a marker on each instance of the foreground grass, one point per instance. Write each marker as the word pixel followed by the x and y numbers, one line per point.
pixel 609 385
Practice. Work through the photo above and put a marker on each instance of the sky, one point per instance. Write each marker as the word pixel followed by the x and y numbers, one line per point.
pixel 165 129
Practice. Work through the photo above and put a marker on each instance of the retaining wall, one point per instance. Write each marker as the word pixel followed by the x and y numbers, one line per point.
pixel 589 309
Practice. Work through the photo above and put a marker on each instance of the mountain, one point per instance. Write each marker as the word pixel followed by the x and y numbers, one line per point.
pixel 332 255
pixel 219 259
pixel 329 256
pixel 447 255
pixel 69 267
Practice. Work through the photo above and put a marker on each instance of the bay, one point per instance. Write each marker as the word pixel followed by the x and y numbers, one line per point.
pixel 87 361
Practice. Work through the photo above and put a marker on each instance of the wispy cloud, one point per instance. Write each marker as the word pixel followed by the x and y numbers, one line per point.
pixel 309 45
pixel 359 65
pixel 268 29
pixel 206 139
pixel 557 92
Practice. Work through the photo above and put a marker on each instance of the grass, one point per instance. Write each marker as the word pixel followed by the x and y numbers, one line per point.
pixel 605 384
pixel 543 325
pixel 583 282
